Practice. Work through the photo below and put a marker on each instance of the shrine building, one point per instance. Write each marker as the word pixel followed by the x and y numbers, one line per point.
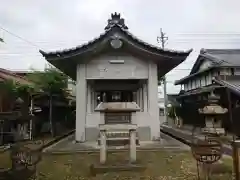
pixel 116 66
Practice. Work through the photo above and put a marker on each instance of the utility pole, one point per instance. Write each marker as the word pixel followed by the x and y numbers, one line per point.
pixel 162 39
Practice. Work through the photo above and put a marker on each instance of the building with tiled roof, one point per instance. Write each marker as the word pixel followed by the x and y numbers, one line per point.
pixel 116 66
pixel 215 70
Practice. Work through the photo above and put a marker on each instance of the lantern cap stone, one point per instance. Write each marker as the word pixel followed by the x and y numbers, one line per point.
pixel 213 110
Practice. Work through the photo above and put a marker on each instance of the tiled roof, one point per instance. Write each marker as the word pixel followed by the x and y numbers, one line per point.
pixel 230 82
pixel 185 79
pixel 223 57
pixel 115 23
pixel 9 75
pixel 199 91
pixel 218 57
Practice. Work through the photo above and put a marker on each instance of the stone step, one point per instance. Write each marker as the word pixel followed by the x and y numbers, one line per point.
pixel 118 138
pixel 117 134
pixel 118 141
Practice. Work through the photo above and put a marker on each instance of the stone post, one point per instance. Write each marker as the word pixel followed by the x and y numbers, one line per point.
pixel 134 118
pixel 102 118
pixel 133 153
pixel 103 148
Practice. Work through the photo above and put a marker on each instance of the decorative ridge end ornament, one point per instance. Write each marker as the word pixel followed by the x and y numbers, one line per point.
pixel 116 20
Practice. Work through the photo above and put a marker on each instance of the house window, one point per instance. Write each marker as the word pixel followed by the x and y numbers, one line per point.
pixel 203 82
pixel 198 83
pixel 189 85
pixel 209 79
pixel 193 84
pixel 237 71
pixel 232 71
pixel 185 87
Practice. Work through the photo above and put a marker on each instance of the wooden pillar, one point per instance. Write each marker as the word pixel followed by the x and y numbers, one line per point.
pixel 235 156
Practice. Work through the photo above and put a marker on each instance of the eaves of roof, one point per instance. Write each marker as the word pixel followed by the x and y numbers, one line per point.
pixel 199 91
pixel 232 87
pixel 187 78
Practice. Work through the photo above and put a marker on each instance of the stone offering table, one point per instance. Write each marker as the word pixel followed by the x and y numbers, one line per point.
pixel 118 114
pixel 104 128
pixel 117 118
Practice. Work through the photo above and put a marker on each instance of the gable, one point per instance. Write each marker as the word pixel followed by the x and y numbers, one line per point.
pixel 204 65
pixel 201 64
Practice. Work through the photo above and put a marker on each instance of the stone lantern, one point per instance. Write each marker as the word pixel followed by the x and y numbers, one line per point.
pixel 213 115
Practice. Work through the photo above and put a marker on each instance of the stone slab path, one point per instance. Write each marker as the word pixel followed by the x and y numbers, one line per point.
pixel 68 145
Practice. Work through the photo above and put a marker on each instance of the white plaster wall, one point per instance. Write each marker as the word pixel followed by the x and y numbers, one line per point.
pixel 225 71
pixel 143 119
pixel 237 71
pixel 205 64
pixel 133 68
pixel 93 119
pixel 101 68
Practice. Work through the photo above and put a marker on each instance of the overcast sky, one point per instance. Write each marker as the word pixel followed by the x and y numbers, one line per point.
pixel 58 24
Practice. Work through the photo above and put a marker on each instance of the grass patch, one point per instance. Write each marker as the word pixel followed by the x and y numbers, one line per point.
pixel 5 161
pixel 160 165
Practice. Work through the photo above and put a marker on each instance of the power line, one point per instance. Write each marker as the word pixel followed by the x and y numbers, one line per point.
pixel 163 39
pixel 209 34
pixel 19 37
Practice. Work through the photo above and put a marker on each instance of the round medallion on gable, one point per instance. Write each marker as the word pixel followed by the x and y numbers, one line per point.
pixel 116 43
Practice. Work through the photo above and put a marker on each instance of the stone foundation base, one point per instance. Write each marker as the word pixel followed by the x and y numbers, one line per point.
pixel 118 142
pixel 144 133
pixel 98 169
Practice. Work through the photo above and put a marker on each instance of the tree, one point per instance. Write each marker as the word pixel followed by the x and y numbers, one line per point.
pixel 52 82
pixel 13 90
pixel 160 80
